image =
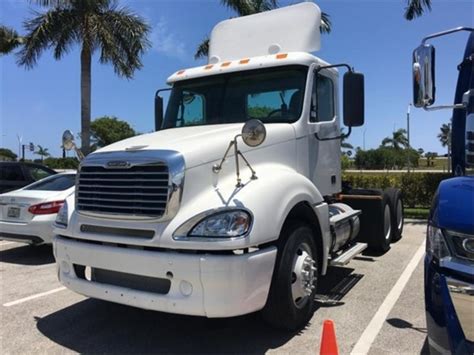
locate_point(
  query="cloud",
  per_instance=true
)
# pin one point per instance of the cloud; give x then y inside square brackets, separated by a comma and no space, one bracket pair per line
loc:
[167,42]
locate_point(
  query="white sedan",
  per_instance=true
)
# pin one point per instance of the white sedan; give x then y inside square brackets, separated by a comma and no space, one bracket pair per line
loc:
[27,214]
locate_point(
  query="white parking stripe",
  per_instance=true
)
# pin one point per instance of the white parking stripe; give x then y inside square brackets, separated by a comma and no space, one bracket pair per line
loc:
[370,333]
[32,297]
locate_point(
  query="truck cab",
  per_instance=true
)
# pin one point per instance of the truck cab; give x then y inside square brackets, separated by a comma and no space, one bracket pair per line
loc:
[235,204]
[449,260]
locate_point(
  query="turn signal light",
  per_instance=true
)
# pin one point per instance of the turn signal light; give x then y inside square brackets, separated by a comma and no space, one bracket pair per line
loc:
[46,208]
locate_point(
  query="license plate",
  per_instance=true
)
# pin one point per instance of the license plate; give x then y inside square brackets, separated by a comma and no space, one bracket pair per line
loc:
[13,212]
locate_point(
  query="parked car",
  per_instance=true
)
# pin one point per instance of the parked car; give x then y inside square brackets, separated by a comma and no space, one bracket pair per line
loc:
[27,214]
[14,175]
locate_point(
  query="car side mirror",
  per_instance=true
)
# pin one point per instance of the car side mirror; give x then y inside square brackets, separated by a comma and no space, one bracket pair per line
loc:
[424,75]
[353,88]
[158,111]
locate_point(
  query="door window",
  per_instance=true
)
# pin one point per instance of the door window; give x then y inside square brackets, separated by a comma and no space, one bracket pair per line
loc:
[323,96]
[11,173]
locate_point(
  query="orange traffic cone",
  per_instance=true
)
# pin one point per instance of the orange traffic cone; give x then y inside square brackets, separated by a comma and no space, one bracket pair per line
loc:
[328,339]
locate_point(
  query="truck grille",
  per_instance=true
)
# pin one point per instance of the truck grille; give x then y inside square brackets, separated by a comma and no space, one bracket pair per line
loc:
[141,190]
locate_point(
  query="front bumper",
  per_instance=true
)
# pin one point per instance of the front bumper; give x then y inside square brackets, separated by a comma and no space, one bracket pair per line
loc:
[449,303]
[201,284]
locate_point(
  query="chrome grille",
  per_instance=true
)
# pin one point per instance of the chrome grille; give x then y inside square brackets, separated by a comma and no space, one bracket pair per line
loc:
[141,190]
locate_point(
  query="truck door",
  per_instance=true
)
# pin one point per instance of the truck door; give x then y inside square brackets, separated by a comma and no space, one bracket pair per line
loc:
[324,155]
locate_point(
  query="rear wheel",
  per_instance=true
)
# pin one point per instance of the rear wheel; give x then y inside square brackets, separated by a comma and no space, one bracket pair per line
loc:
[396,206]
[382,220]
[290,301]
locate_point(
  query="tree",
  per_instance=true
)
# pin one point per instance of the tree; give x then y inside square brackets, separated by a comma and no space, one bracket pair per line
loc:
[119,35]
[430,156]
[42,152]
[249,7]
[421,151]
[7,154]
[9,39]
[416,8]
[445,138]
[398,139]
[107,130]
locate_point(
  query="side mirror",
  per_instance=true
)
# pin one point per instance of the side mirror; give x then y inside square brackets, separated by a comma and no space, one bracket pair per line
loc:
[253,133]
[424,75]
[158,112]
[68,140]
[353,99]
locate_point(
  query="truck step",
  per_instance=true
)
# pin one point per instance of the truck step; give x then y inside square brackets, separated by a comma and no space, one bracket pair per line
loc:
[348,255]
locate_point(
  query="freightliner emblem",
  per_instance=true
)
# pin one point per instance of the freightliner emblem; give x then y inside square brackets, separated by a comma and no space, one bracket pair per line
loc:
[118,164]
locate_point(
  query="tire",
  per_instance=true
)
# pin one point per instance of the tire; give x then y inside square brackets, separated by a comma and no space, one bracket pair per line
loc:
[290,303]
[396,207]
[382,219]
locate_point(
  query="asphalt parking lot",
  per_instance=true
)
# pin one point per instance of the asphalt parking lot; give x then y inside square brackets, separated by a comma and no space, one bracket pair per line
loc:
[376,302]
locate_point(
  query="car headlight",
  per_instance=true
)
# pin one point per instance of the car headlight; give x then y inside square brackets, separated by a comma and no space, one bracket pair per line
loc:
[61,217]
[436,243]
[462,244]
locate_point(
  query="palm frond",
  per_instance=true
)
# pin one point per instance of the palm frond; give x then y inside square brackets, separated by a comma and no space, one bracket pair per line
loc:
[326,24]
[203,49]
[122,38]
[249,7]
[9,39]
[416,8]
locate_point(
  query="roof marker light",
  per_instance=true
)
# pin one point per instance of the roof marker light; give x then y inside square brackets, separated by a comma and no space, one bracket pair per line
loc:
[180,72]
[225,64]
[207,67]
[244,61]
[281,56]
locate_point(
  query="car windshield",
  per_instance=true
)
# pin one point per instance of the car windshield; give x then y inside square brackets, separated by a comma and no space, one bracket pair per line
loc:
[54,183]
[272,95]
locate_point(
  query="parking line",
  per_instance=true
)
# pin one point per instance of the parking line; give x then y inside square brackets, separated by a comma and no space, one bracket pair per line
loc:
[370,333]
[32,297]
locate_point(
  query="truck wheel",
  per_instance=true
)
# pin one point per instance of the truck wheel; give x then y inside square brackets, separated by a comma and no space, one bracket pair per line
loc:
[396,206]
[382,219]
[290,303]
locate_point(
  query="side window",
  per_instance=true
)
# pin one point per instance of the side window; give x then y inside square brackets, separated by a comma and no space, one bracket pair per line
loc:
[323,98]
[191,110]
[38,173]
[11,173]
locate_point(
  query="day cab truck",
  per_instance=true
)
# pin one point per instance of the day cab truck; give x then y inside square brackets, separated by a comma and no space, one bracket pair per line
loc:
[235,204]
[449,260]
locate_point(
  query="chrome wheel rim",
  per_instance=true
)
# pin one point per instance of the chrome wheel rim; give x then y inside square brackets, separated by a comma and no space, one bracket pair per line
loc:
[387,226]
[399,215]
[303,275]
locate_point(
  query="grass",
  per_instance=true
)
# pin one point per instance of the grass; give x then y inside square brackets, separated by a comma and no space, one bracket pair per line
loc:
[416,213]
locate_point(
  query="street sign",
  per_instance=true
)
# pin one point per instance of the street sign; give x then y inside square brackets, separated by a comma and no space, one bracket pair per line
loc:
[32,147]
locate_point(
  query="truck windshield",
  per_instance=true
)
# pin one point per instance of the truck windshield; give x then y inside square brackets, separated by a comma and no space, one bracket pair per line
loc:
[272,95]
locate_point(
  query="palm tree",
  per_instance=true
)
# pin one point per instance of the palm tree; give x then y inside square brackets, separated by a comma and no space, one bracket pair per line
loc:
[9,39]
[398,139]
[249,7]
[119,35]
[445,138]
[43,152]
[416,8]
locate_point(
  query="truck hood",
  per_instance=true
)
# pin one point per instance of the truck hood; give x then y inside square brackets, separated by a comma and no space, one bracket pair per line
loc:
[200,144]
[453,207]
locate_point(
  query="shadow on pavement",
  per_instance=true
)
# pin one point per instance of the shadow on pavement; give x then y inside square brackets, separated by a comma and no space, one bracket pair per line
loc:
[28,255]
[335,285]
[403,324]
[94,326]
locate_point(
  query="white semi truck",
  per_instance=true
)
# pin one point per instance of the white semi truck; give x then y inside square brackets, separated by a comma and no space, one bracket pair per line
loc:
[235,204]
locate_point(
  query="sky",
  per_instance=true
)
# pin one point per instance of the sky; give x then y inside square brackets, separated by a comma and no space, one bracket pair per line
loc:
[371,35]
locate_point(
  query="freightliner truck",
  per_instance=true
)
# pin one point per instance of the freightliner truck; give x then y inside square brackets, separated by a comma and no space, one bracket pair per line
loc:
[235,204]
[449,260]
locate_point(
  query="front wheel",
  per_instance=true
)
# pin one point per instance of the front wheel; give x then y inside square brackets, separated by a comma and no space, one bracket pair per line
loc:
[290,303]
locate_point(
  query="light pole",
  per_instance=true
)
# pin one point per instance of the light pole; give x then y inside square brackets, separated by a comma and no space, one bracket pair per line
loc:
[20,139]
[408,136]
[364,138]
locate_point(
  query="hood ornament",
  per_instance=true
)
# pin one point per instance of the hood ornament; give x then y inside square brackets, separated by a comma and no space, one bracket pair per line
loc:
[253,134]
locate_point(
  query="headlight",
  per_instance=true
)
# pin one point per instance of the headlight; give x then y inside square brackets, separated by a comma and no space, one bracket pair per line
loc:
[436,244]
[61,217]
[223,225]
[462,244]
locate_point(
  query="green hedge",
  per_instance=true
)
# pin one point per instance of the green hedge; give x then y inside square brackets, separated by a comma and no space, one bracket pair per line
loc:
[418,188]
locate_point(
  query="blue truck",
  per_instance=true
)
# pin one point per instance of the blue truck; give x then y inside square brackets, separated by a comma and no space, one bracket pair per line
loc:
[449,259]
